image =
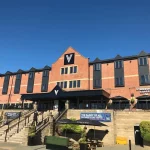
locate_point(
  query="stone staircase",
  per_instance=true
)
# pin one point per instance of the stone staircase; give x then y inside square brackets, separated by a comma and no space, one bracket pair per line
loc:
[16,132]
[19,137]
[15,126]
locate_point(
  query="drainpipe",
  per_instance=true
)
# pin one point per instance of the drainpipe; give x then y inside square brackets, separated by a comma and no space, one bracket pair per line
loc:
[9,96]
[88,74]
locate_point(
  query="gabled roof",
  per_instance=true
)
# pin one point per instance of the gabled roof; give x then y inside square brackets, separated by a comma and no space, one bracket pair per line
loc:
[20,71]
[142,53]
[8,73]
[96,60]
[118,57]
[32,69]
[47,67]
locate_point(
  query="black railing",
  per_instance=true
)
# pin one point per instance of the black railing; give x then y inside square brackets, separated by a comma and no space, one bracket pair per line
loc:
[25,119]
[16,119]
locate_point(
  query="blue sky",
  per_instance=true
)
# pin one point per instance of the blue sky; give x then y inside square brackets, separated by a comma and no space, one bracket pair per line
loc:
[34,33]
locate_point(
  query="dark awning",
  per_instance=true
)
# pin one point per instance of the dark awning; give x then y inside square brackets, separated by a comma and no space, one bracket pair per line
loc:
[143,97]
[58,93]
[119,98]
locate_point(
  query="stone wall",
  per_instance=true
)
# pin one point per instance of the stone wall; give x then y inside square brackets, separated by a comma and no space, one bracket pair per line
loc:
[125,122]
[122,123]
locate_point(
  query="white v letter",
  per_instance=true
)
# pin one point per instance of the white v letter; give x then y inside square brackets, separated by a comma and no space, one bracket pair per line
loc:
[69,57]
[56,92]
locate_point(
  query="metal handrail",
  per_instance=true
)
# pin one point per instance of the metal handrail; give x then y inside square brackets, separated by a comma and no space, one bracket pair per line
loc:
[17,123]
[8,123]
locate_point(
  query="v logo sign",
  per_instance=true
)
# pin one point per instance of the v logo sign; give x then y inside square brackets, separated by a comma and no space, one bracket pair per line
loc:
[56,92]
[69,57]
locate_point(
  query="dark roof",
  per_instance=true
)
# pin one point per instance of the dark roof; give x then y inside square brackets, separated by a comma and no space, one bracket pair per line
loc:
[142,53]
[96,60]
[47,67]
[20,71]
[8,73]
[142,97]
[27,71]
[118,98]
[58,93]
[118,57]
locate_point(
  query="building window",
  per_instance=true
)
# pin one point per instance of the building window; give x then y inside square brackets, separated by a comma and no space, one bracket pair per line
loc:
[65,84]
[70,84]
[58,83]
[78,83]
[74,84]
[61,84]
[143,61]
[66,70]
[45,73]
[75,69]
[43,87]
[31,75]
[97,83]
[71,70]
[145,79]
[119,81]
[62,71]
[119,64]
[18,76]
[97,66]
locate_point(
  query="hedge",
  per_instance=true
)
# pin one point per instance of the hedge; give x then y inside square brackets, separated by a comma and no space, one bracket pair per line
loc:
[145,130]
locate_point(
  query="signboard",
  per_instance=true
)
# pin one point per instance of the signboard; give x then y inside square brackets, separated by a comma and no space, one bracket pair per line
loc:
[12,115]
[143,90]
[102,117]
[69,59]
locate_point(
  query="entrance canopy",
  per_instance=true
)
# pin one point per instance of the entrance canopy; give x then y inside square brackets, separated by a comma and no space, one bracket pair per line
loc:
[57,94]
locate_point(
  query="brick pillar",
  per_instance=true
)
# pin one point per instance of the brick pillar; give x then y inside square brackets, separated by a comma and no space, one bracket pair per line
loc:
[67,104]
[51,120]
[26,131]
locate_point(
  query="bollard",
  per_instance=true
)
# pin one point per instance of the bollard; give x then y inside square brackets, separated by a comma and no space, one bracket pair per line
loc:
[129,144]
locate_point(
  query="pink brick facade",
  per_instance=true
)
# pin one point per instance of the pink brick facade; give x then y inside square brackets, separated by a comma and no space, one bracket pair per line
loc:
[84,74]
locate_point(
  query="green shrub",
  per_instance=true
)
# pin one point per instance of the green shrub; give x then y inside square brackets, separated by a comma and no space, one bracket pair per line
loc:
[145,130]
[72,128]
[147,137]
[32,131]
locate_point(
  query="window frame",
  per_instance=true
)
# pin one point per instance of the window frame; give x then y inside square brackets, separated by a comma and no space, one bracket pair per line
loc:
[45,73]
[119,82]
[65,84]
[30,75]
[62,71]
[97,85]
[70,84]
[142,61]
[78,83]
[118,64]
[66,70]
[146,77]
[97,66]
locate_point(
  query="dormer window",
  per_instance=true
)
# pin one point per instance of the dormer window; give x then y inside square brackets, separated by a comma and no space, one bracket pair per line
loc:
[45,73]
[18,76]
[97,66]
[145,79]
[31,75]
[143,61]
[119,64]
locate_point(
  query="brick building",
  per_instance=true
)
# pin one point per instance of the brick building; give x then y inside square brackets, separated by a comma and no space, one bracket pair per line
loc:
[117,79]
